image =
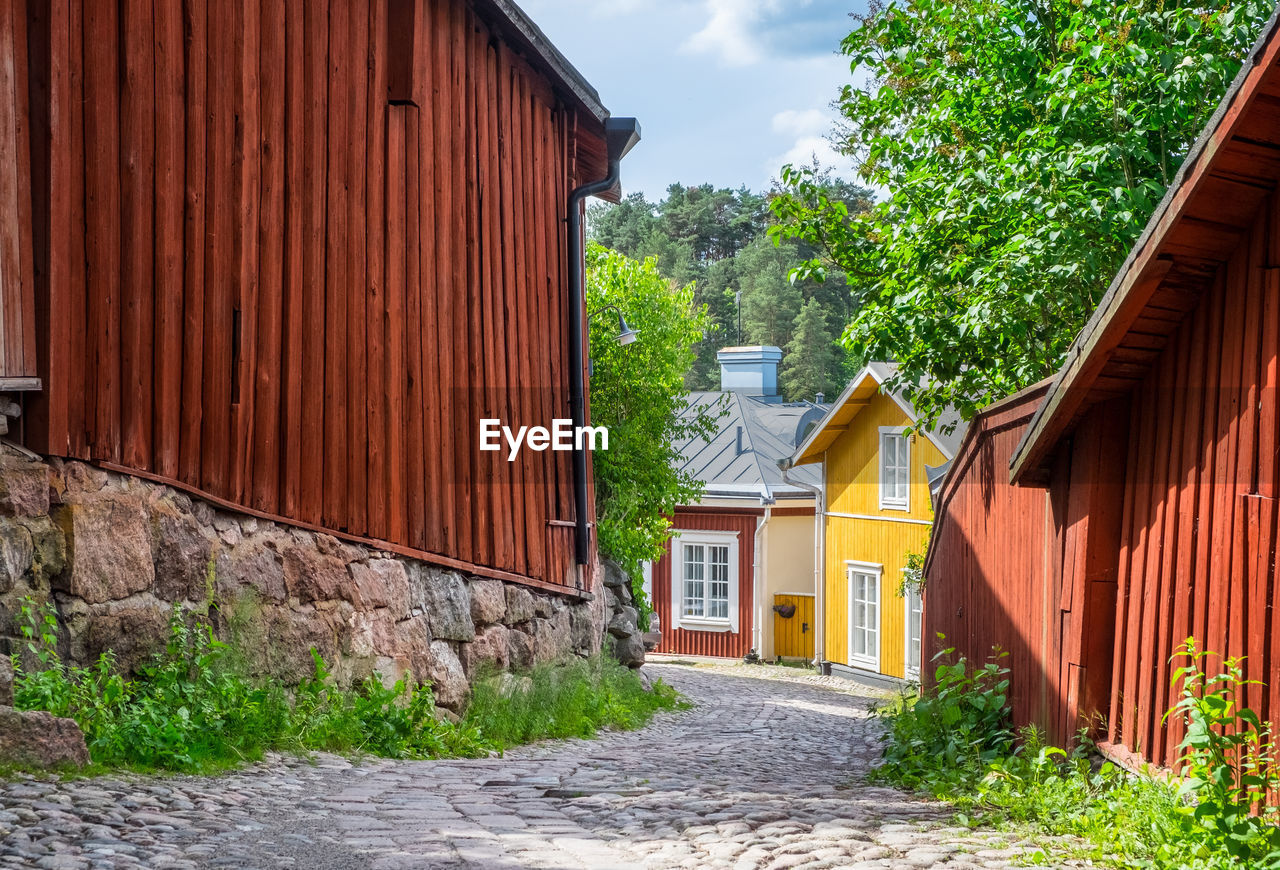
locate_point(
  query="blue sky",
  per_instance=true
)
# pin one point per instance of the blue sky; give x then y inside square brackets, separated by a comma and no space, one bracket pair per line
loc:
[726,91]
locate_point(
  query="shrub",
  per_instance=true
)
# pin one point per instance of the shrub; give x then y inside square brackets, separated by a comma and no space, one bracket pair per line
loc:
[192,709]
[954,729]
[954,742]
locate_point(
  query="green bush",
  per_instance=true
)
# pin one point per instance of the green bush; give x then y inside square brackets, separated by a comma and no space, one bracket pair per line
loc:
[192,709]
[957,727]
[954,742]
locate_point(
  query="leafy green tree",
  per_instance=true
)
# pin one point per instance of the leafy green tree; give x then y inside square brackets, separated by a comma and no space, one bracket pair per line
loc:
[812,356]
[637,391]
[1024,144]
[770,299]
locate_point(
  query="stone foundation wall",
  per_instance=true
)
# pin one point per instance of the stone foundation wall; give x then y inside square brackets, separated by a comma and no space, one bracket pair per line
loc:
[115,554]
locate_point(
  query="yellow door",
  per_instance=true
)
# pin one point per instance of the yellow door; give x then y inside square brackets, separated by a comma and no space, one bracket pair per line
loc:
[793,626]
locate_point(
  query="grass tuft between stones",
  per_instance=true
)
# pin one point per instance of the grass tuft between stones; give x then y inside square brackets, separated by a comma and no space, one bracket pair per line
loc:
[193,709]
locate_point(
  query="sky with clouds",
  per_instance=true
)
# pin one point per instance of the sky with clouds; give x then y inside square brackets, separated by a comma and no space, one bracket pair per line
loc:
[726,91]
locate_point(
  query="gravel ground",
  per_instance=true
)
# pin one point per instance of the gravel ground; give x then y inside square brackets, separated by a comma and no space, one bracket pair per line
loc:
[765,771]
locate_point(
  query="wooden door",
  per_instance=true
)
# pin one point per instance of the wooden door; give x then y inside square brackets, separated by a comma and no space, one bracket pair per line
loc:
[793,634]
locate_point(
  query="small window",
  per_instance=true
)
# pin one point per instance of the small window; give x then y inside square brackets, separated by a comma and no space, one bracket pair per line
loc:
[895,469]
[704,580]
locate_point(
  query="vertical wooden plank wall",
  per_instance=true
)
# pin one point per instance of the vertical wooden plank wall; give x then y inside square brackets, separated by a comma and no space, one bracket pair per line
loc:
[281,275]
[991,575]
[1198,550]
[723,644]
[17,265]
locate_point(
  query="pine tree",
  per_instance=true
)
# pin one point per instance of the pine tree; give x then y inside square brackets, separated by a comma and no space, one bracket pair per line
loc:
[811,357]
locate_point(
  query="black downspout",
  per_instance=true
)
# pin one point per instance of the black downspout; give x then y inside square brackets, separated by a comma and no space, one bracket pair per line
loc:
[620,134]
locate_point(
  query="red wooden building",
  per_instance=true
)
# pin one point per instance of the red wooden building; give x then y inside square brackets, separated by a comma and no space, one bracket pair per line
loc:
[285,254]
[1153,456]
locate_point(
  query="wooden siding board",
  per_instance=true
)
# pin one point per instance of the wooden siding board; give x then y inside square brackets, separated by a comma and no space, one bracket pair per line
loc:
[304,329]
[170,150]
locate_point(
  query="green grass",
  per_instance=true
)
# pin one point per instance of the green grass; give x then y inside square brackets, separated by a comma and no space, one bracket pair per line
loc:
[573,699]
[955,743]
[193,709]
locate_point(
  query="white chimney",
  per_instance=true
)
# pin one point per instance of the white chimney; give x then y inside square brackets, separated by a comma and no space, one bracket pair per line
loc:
[750,370]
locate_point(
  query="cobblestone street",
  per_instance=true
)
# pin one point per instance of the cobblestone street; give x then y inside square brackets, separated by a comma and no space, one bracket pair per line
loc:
[762,772]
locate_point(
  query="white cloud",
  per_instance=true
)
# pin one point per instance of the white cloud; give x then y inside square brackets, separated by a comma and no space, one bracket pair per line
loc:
[730,31]
[807,129]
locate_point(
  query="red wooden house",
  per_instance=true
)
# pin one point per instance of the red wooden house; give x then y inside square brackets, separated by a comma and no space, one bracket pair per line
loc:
[1151,459]
[285,254]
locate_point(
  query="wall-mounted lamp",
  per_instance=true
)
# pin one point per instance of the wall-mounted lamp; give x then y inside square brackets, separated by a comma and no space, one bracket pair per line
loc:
[626,334]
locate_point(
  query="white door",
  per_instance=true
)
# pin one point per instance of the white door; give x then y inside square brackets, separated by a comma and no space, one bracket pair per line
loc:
[915,615]
[864,616]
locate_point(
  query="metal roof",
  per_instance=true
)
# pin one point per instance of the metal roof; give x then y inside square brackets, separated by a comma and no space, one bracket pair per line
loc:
[751,437]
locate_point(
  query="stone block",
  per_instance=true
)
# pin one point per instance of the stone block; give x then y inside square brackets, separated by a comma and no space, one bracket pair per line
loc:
[413,643]
[584,630]
[448,680]
[310,575]
[48,550]
[24,486]
[628,650]
[519,605]
[488,602]
[38,739]
[6,682]
[108,548]
[544,606]
[381,583]
[552,638]
[134,632]
[624,622]
[614,576]
[488,651]
[255,564]
[181,556]
[447,603]
[519,650]
[17,551]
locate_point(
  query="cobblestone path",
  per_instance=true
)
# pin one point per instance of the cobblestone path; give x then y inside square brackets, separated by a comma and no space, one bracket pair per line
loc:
[761,773]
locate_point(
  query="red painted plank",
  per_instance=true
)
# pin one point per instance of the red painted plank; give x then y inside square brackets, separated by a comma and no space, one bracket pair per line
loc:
[266,385]
[195,242]
[319,251]
[293,374]
[338,269]
[394,367]
[170,150]
[357,153]
[376,338]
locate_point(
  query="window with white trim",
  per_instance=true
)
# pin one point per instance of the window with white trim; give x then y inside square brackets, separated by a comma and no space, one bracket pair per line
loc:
[895,468]
[915,616]
[864,614]
[704,580]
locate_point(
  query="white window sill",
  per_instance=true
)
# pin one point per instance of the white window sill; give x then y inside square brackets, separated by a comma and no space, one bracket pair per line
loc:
[692,623]
[865,665]
[884,506]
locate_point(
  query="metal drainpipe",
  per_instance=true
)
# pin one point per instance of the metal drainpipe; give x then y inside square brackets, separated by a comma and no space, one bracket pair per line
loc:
[819,559]
[756,592]
[621,134]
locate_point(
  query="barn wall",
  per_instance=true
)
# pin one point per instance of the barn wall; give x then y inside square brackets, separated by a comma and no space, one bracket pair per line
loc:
[294,252]
[723,644]
[1198,548]
[17,266]
[990,578]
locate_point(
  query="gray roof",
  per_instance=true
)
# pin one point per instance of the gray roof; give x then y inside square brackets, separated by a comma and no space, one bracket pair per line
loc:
[741,457]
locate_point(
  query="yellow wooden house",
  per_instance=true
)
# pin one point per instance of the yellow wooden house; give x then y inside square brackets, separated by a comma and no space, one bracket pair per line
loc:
[876,511]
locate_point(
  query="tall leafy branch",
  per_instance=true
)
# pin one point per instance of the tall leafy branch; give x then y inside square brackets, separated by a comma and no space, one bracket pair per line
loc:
[1022,146]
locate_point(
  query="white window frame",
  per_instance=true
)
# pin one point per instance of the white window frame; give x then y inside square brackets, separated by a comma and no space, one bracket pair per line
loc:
[912,596]
[876,572]
[711,539]
[893,503]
